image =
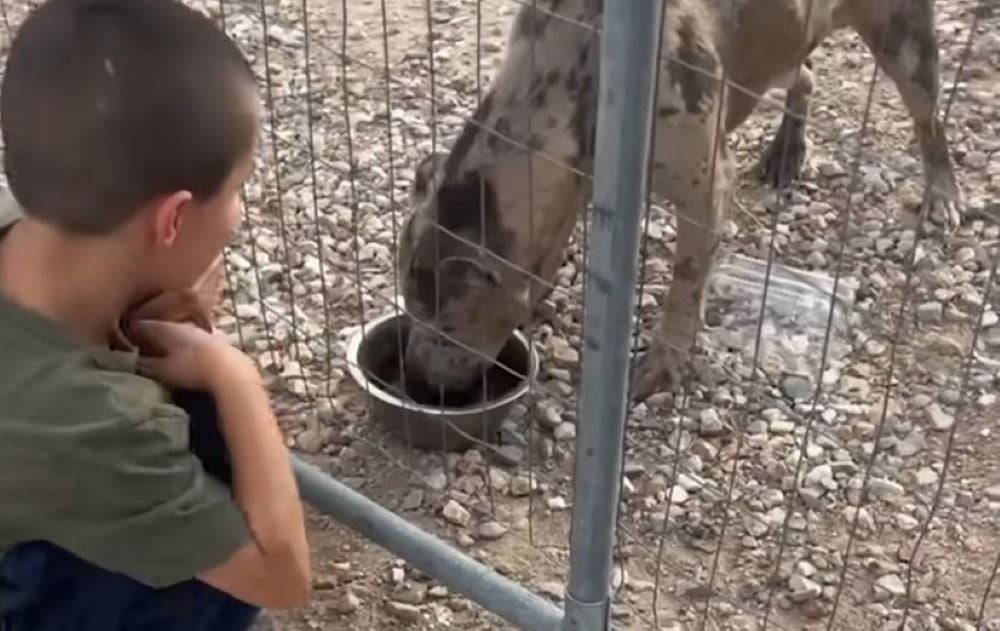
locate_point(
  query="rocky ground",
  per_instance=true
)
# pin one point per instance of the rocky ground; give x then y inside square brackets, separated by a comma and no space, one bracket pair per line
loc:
[743,501]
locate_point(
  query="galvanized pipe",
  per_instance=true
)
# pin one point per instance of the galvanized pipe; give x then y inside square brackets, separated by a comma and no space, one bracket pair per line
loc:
[629,48]
[430,555]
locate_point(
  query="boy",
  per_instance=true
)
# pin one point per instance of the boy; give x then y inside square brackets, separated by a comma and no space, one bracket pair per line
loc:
[129,127]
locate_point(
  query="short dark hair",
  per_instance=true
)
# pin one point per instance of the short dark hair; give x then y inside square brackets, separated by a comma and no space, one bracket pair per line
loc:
[107,103]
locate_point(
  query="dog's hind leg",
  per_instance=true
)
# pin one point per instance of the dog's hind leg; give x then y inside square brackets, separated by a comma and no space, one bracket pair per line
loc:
[782,161]
[905,46]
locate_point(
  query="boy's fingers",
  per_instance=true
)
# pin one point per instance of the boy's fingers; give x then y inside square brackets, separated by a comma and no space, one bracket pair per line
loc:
[209,286]
[151,334]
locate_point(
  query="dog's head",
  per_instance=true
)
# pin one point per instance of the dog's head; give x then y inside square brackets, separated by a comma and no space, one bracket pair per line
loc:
[455,278]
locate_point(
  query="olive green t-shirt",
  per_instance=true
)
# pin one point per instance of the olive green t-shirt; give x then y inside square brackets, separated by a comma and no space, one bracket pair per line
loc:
[95,458]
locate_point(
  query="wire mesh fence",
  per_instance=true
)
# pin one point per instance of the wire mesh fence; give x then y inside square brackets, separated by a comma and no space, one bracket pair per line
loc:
[822,457]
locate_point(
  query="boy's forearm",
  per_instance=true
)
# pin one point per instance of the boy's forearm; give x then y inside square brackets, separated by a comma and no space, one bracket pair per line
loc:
[263,482]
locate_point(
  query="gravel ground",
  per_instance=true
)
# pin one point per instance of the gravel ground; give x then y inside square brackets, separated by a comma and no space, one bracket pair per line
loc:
[738,496]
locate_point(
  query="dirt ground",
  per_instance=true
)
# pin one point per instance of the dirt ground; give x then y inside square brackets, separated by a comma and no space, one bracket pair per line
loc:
[535,549]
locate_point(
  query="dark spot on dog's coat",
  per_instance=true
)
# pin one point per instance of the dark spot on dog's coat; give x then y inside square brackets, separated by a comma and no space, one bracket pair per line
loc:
[685,269]
[571,80]
[582,125]
[913,23]
[536,84]
[530,22]
[895,33]
[468,136]
[501,127]
[691,72]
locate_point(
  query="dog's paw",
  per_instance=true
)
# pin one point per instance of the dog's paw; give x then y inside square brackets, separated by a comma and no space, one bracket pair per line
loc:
[659,369]
[781,163]
[947,207]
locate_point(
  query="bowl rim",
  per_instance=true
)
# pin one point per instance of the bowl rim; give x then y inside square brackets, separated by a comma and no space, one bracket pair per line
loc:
[372,389]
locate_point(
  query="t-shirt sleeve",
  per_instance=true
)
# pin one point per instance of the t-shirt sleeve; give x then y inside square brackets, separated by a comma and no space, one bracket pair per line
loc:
[145,506]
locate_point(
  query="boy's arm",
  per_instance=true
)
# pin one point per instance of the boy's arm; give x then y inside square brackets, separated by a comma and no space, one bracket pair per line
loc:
[273,569]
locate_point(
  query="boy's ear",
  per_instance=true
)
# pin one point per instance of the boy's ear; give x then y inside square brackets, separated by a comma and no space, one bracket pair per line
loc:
[168,216]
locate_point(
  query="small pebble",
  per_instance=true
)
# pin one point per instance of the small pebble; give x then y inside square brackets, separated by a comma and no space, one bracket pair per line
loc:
[940,420]
[456,514]
[491,530]
[404,611]
[564,432]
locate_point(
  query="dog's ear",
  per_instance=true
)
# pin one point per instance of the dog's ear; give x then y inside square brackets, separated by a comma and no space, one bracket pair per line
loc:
[425,173]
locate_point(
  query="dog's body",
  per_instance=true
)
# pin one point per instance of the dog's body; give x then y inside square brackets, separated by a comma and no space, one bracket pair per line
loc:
[481,192]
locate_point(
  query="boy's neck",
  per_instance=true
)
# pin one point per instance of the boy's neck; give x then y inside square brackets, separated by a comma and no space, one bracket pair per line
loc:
[84,284]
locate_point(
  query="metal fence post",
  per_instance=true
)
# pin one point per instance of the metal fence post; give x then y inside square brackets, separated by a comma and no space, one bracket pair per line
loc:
[629,48]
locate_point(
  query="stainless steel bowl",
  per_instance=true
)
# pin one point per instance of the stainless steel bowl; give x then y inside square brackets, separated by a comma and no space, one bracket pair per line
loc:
[374,358]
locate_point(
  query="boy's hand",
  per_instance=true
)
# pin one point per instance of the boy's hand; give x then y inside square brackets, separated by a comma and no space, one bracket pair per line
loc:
[182,355]
[194,305]
[209,287]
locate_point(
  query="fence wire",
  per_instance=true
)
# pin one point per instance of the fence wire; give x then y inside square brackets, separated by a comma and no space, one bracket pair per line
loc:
[857,492]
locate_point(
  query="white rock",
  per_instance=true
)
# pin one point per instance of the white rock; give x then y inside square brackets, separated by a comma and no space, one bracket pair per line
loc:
[926,477]
[819,475]
[556,503]
[456,514]
[564,432]
[803,589]
[940,420]
[711,424]
[491,530]
[678,494]
[892,584]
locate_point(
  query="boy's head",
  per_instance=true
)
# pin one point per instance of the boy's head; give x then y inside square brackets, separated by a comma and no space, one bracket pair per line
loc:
[134,120]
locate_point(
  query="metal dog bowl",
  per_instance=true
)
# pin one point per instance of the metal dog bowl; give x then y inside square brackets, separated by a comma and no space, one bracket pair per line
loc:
[374,358]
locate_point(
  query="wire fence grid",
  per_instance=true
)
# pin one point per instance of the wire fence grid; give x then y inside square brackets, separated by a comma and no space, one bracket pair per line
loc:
[827,460]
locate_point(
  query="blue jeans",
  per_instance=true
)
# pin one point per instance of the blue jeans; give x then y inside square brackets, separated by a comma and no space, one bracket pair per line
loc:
[45,588]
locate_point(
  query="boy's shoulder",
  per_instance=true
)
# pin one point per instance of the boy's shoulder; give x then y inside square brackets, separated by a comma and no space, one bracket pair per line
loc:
[55,389]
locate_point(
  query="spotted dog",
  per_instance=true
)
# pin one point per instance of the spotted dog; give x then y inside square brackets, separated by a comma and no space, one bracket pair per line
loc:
[482,191]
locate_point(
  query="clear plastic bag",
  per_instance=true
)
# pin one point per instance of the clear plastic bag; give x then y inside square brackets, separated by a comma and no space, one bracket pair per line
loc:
[795,317]
[987,350]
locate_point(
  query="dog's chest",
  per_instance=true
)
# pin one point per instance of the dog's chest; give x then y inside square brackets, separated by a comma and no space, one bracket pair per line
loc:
[760,40]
